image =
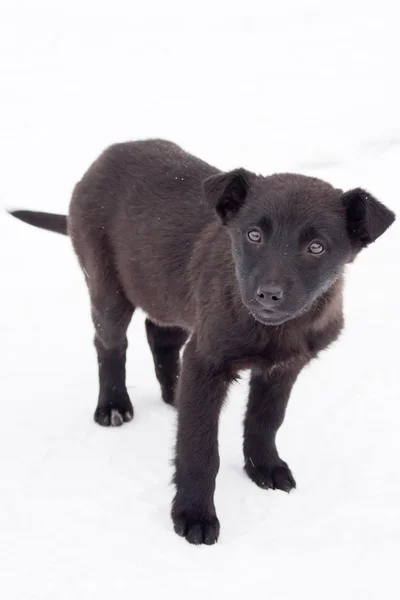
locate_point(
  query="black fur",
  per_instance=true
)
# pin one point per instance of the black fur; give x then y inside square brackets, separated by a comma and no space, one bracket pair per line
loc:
[249,266]
[49,221]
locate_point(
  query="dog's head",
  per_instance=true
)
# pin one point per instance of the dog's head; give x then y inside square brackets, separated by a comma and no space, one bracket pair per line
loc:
[291,236]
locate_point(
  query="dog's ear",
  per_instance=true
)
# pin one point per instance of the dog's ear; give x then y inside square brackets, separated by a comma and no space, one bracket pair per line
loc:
[367,218]
[226,192]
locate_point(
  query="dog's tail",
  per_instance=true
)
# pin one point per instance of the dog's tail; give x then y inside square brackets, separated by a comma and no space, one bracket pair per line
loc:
[49,221]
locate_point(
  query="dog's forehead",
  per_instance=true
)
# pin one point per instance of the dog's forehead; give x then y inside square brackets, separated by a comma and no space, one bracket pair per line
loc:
[293,197]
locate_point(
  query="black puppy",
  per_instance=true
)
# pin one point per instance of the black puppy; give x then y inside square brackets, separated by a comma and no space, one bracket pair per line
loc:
[249,266]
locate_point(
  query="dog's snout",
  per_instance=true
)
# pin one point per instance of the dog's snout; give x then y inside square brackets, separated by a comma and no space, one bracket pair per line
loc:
[270,295]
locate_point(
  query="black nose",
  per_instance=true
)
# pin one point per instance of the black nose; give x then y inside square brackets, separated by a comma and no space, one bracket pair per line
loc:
[270,295]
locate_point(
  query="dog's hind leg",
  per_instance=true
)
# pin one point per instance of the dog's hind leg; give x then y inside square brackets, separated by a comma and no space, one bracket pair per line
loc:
[165,344]
[111,314]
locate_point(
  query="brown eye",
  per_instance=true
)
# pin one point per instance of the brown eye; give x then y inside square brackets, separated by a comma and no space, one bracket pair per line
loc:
[316,248]
[254,235]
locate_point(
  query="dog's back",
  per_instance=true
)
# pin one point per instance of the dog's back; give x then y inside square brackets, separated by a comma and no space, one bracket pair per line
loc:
[140,208]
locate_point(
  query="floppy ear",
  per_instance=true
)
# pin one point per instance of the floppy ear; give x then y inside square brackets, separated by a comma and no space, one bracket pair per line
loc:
[226,192]
[367,218]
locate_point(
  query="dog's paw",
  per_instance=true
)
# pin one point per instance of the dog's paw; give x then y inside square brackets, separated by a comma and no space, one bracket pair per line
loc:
[196,529]
[115,412]
[275,477]
[169,398]
[114,417]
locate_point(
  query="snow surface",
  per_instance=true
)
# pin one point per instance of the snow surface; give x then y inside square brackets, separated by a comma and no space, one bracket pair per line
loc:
[84,511]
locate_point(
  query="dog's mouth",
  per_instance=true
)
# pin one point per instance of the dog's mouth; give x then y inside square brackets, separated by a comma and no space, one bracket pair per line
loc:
[270,317]
[273,317]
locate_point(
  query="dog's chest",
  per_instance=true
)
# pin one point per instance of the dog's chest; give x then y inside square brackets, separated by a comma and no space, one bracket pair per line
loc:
[272,356]
[282,353]
[284,350]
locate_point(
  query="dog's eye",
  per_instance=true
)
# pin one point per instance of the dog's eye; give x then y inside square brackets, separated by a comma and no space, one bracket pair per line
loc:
[316,248]
[254,235]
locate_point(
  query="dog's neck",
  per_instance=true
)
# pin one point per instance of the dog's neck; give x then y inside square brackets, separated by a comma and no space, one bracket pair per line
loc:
[328,308]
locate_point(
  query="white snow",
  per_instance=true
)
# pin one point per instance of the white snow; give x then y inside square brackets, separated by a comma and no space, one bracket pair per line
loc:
[84,511]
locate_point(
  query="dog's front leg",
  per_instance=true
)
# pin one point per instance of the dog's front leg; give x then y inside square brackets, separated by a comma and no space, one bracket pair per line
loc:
[268,398]
[201,392]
